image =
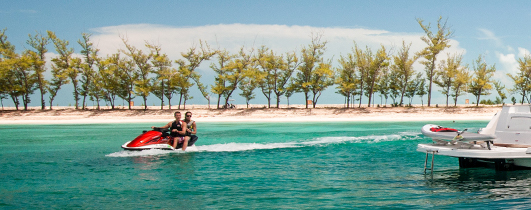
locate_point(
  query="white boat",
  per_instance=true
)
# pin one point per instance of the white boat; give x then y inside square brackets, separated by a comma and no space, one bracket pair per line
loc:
[505,142]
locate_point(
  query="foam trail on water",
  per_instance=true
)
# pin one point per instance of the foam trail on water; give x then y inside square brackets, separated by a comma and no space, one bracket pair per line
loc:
[234,147]
[364,139]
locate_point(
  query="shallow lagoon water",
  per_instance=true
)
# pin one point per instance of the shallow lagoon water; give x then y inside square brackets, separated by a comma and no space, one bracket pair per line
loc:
[246,166]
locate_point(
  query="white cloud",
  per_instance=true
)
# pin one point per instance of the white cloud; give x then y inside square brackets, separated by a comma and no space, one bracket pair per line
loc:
[279,38]
[508,63]
[522,52]
[489,35]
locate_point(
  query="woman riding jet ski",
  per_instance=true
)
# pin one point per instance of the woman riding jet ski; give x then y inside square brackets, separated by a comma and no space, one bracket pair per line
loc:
[160,139]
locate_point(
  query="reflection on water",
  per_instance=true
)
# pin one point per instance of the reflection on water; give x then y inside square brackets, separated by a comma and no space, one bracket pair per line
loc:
[152,167]
[485,183]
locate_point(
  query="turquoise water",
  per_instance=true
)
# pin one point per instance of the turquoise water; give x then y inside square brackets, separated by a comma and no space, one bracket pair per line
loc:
[245,166]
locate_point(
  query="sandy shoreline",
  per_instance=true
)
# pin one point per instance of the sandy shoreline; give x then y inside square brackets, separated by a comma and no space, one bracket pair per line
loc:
[64,115]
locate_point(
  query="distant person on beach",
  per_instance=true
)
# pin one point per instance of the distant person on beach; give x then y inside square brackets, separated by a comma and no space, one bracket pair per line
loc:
[191,129]
[178,131]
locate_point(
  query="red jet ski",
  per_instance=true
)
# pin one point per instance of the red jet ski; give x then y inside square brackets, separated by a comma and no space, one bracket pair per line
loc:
[155,139]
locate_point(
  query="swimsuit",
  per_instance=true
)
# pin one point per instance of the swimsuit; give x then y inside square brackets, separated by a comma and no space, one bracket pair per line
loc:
[189,125]
[176,135]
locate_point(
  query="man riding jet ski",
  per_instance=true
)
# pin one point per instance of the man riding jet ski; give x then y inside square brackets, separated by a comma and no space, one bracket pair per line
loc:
[179,136]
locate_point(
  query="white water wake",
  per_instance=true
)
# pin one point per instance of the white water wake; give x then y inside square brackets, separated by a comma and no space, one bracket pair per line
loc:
[235,147]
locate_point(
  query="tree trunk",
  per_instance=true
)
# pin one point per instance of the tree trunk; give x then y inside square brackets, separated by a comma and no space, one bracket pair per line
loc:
[219,99]
[180,100]
[431,80]
[278,101]
[479,95]
[43,103]
[145,102]
[361,92]
[306,97]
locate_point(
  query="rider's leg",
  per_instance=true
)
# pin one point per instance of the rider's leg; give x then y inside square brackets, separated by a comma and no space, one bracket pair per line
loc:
[185,143]
[175,141]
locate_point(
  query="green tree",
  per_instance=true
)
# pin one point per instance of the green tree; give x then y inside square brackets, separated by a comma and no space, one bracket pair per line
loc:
[3,95]
[7,74]
[268,65]
[313,74]
[18,73]
[71,66]
[39,42]
[109,80]
[162,69]
[413,87]
[422,90]
[251,81]
[291,62]
[436,42]
[61,67]
[393,84]
[363,66]
[346,79]
[384,86]
[24,74]
[403,66]
[141,60]
[446,75]
[276,71]
[522,79]
[220,81]
[187,67]
[237,69]
[499,88]
[174,79]
[481,82]
[73,73]
[184,84]
[459,84]
[59,78]
[88,74]
[290,90]
[96,91]
[322,79]
[377,64]
[124,69]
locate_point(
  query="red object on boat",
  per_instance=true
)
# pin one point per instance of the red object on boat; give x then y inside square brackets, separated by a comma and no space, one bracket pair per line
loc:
[441,129]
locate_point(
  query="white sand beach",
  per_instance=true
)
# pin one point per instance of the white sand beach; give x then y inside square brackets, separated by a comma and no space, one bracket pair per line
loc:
[257,113]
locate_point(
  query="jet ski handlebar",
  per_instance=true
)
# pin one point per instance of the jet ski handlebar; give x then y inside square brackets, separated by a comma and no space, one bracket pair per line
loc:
[161,129]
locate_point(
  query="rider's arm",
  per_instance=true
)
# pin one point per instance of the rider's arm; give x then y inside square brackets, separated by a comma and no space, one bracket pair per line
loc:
[166,126]
[194,128]
[183,126]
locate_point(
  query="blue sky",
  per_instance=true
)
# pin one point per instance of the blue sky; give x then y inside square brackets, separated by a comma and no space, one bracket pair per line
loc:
[498,30]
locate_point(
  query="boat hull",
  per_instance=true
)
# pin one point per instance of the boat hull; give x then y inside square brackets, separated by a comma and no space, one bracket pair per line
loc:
[505,141]
[520,157]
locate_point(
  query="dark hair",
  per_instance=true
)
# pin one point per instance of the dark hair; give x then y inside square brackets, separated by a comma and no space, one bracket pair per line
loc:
[176,113]
[187,113]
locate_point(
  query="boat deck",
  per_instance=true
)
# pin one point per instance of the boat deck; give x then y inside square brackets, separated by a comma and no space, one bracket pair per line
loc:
[475,151]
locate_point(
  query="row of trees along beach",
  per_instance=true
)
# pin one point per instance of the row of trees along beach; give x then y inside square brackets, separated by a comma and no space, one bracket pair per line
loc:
[361,74]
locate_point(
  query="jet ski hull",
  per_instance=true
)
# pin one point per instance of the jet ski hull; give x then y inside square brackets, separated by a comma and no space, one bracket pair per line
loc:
[155,139]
